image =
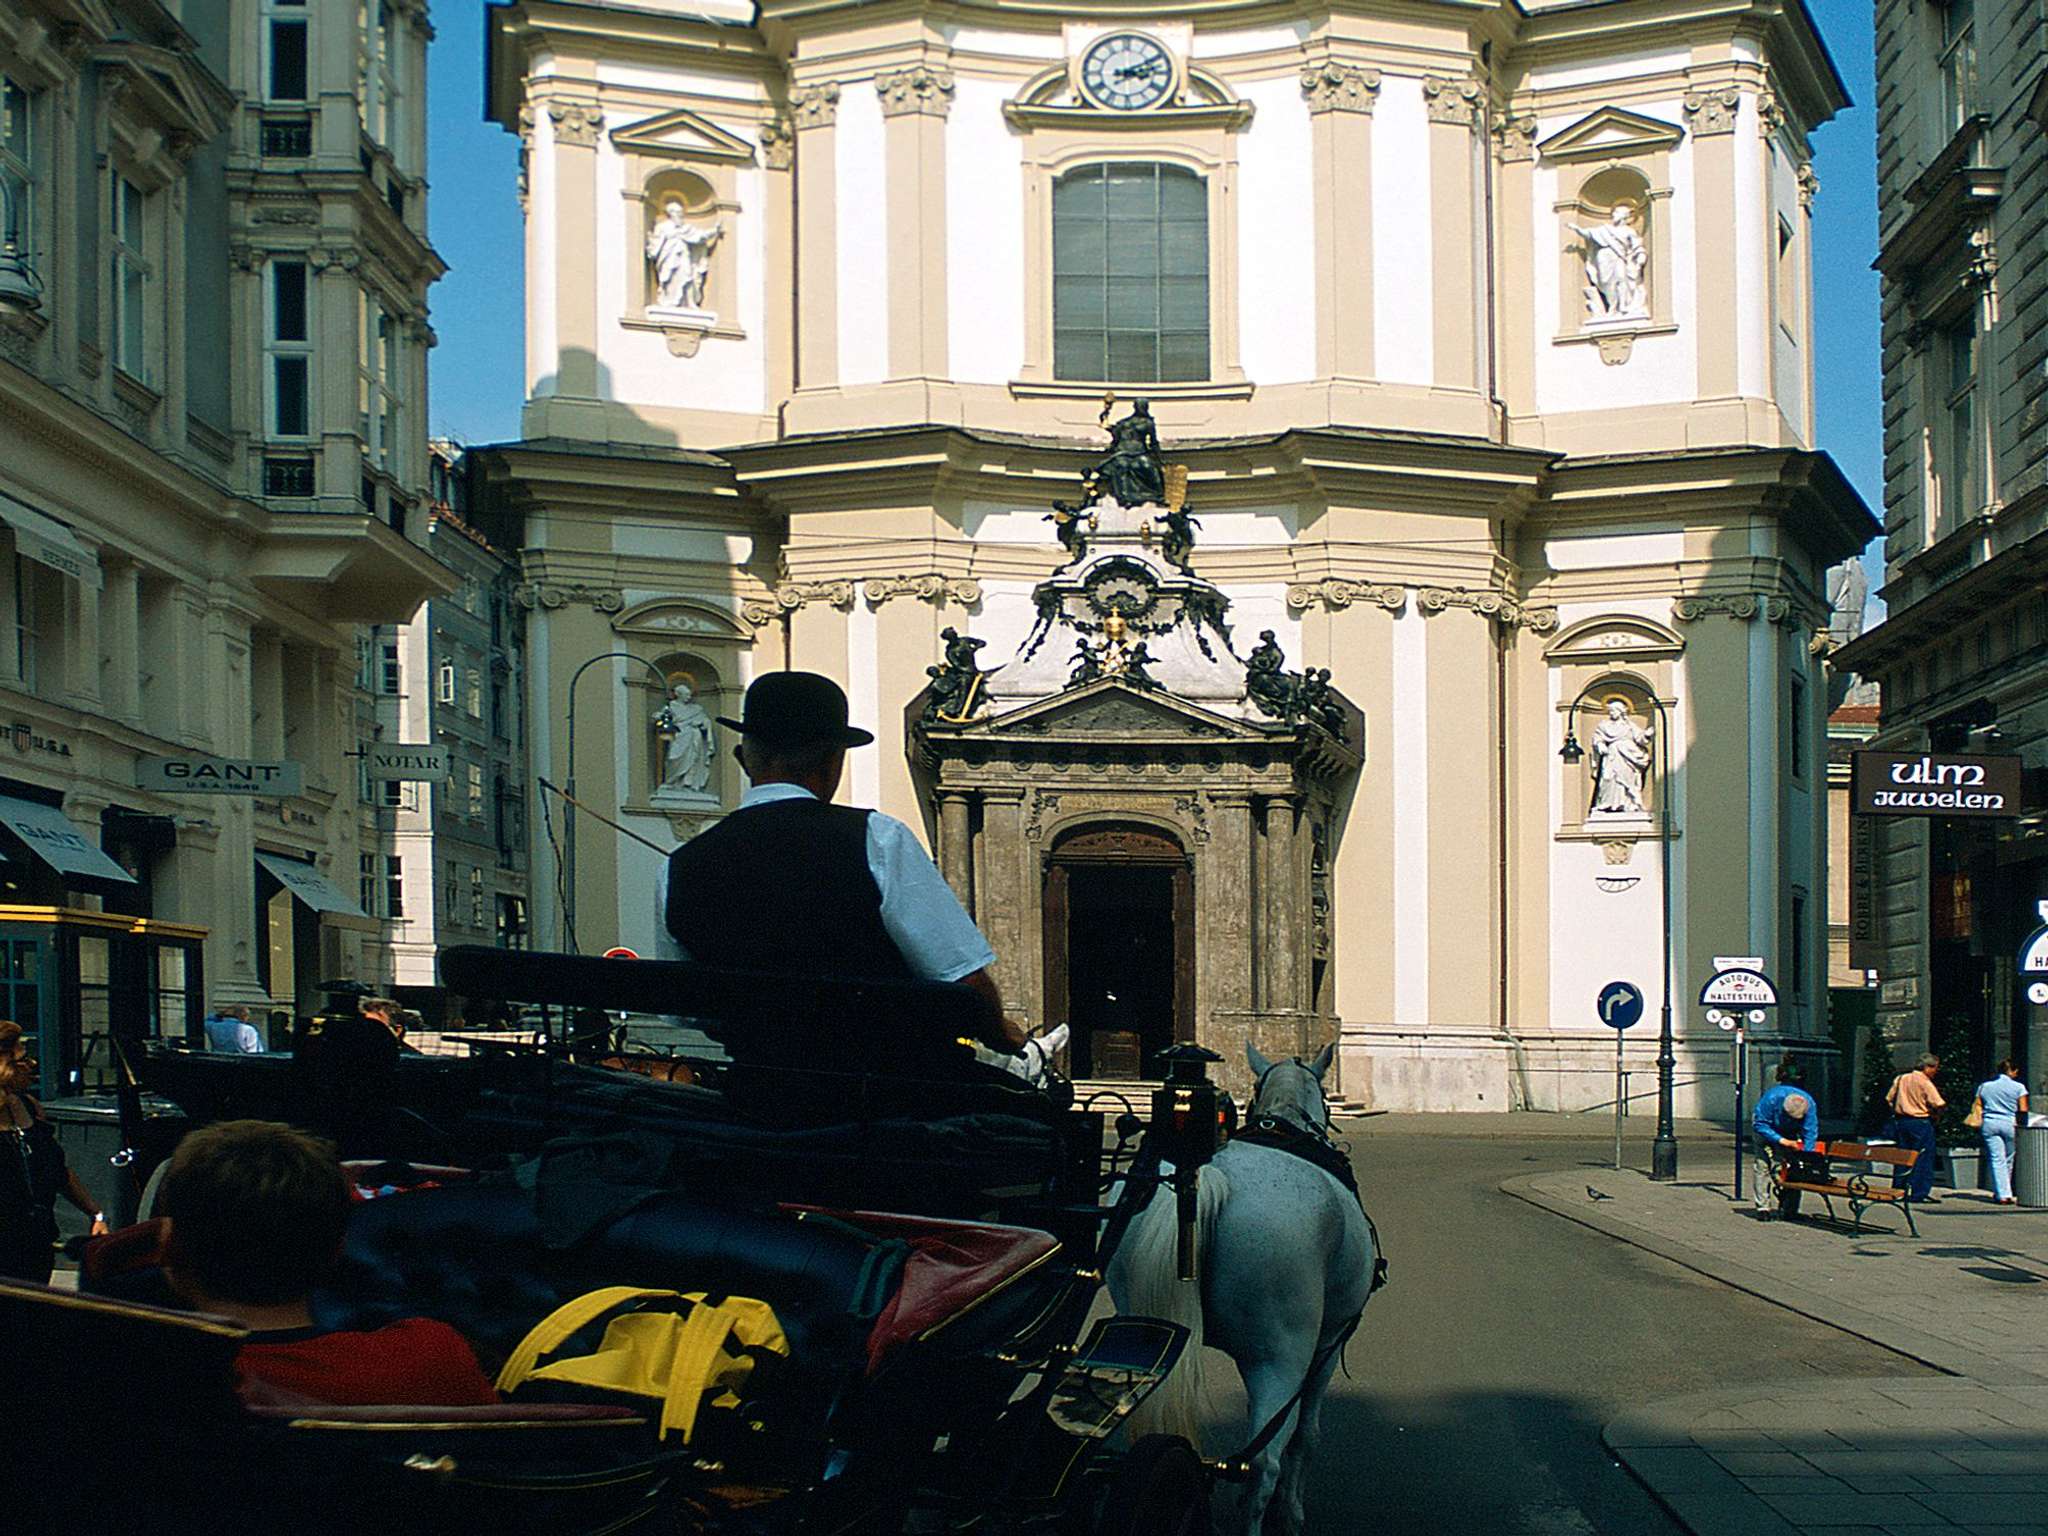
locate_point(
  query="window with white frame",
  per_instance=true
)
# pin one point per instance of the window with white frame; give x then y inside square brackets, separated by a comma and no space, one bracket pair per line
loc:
[287,50]
[17,168]
[290,347]
[444,683]
[1958,482]
[476,898]
[391,675]
[366,882]
[377,70]
[394,885]
[377,369]
[1130,262]
[130,263]
[1958,64]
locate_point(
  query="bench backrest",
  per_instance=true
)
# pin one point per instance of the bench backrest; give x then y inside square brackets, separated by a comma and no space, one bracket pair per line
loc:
[1862,1152]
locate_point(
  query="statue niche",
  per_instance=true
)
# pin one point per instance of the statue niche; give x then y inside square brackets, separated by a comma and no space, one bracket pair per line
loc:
[1610,225]
[684,231]
[686,744]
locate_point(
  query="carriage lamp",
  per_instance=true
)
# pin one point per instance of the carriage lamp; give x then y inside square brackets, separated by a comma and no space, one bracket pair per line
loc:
[1187,1109]
[1571,751]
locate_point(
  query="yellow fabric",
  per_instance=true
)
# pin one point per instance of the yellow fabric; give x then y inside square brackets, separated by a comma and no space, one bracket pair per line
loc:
[677,1358]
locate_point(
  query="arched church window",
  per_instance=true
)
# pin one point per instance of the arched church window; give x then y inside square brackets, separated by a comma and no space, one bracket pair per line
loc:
[1131,274]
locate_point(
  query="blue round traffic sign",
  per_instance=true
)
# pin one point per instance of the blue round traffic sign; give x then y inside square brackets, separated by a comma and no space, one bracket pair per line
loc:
[1621,1004]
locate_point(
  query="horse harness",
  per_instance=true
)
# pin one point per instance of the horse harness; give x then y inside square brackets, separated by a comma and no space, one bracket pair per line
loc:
[1312,1144]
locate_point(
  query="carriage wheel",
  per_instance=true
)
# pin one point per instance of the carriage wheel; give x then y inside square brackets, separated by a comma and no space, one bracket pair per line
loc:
[1161,1489]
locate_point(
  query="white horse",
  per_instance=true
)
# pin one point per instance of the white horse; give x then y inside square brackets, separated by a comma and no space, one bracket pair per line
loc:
[1286,1260]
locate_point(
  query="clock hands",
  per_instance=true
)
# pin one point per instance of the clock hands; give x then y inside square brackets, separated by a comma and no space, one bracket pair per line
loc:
[1139,71]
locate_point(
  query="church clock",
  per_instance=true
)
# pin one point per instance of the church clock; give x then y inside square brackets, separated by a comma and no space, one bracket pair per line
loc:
[1127,72]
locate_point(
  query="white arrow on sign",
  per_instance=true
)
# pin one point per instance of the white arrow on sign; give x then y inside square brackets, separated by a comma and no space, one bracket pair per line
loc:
[1739,989]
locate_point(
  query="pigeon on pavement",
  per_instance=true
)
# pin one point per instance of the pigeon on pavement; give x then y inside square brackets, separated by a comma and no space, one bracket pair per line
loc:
[1594,1194]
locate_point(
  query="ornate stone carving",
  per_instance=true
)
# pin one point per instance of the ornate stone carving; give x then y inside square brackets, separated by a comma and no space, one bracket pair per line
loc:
[552,595]
[1616,350]
[1195,814]
[321,258]
[793,595]
[285,213]
[576,122]
[778,144]
[1044,802]
[1741,605]
[1514,137]
[245,258]
[1335,593]
[926,88]
[1619,850]
[931,587]
[1498,606]
[1712,111]
[1454,100]
[1809,185]
[1334,87]
[683,340]
[1770,115]
[816,106]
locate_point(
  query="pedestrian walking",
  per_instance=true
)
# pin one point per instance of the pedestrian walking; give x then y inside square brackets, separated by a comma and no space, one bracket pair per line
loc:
[2001,1100]
[33,1172]
[1915,1101]
[1786,1124]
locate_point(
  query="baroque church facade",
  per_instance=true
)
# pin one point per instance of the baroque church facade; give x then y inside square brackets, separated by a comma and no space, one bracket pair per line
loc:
[1438,643]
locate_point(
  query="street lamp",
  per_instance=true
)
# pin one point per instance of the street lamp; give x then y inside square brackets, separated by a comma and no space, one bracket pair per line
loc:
[1664,1150]
[569,790]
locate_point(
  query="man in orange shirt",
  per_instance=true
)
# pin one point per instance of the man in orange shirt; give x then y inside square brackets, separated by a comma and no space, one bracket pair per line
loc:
[1915,1101]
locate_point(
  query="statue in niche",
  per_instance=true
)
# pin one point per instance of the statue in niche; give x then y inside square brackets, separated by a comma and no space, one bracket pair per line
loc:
[681,253]
[686,759]
[1616,259]
[1133,473]
[1621,762]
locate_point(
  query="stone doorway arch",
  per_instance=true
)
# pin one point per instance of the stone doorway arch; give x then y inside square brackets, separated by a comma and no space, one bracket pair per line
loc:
[1119,936]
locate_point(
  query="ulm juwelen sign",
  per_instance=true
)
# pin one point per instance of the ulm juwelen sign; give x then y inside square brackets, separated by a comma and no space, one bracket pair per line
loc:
[1934,784]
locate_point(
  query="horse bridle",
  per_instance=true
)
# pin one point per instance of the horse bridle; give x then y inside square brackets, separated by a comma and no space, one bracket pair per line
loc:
[1320,1132]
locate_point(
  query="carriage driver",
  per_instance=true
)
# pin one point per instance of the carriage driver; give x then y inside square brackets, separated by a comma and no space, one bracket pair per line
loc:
[829,889]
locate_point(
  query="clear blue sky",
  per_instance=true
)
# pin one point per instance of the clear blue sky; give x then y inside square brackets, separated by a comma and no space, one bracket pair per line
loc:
[479,309]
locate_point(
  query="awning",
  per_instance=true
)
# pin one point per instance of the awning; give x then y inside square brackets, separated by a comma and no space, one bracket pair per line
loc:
[48,542]
[50,835]
[309,886]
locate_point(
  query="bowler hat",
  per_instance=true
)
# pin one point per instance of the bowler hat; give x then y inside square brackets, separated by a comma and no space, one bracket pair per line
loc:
[797,709]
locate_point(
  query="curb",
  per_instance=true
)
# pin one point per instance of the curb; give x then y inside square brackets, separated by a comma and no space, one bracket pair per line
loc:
[1950,1358]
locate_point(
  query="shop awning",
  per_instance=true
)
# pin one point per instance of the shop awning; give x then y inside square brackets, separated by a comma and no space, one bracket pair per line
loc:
[46,541]
[309,886]
[51,836]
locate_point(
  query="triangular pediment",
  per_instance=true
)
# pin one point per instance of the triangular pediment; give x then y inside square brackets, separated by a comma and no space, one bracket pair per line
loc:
[682,135]
[1110,710]
[1608,132]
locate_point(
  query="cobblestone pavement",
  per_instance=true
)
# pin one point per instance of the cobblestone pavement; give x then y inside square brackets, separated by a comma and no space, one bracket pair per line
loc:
[1860,1457]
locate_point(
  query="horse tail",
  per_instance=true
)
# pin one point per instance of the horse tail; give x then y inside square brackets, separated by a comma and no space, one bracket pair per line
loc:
[1149,1269]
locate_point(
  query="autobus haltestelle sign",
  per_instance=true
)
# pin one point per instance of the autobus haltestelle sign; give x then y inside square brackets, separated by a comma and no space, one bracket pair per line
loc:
[1936,784]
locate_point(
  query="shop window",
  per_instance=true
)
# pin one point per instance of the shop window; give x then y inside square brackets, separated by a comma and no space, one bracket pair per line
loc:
[21,996]
[1130,274]
[172,993]
[130,273]
[92,1069]
[511,922]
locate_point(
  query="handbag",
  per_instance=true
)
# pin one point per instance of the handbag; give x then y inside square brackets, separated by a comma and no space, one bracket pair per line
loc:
[1975,1118]
[686,1355]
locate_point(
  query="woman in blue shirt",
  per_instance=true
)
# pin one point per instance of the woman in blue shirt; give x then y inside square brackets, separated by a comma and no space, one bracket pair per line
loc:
[2003,1099]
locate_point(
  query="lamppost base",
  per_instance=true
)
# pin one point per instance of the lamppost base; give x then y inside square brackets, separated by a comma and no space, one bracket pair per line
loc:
[1664,1159]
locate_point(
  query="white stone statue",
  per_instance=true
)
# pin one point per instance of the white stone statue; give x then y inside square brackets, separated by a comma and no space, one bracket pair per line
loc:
[1621,762]
[681,253]
[1616,260]
[690,742]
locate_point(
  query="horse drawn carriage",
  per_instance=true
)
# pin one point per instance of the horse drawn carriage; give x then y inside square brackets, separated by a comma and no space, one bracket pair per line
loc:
[869,1265]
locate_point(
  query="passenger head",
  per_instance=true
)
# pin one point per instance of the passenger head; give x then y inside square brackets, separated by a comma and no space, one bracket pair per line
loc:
[1796,1105]
[17,1066]
[257,1212]
[794,730]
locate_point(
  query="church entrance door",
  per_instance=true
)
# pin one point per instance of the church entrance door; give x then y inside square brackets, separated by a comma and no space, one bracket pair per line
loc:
[1120,948]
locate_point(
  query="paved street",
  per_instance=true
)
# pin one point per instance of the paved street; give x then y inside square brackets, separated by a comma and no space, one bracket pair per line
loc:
[1507,1338]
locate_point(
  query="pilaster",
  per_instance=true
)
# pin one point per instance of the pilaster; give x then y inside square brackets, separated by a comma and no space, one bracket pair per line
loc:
[1340,102]
[1457,113]
[1283,908]
[956,855]
[1224,907]
[914,106]
[815,110]
[1710,115]
[575,125]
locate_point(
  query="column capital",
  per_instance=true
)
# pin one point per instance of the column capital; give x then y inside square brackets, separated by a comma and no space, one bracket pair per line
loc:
[1334,87]
[1712,111]
[922,88]
[778,143]
[1457,100]
[576,122]
[815,106]
[1514,137]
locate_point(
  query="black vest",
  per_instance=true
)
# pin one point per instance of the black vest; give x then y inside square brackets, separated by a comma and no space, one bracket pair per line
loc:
[783,887]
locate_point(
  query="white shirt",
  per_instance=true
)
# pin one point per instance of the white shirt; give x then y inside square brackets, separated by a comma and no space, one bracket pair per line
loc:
[936,937]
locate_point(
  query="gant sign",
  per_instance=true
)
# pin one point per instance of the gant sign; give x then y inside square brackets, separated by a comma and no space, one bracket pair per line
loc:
[217,776]
[1935,784]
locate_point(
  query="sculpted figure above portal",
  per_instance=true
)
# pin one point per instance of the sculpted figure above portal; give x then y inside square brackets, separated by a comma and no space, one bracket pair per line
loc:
[1133,473]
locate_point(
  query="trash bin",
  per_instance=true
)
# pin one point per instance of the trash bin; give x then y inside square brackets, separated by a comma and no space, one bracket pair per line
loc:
[2030,1163]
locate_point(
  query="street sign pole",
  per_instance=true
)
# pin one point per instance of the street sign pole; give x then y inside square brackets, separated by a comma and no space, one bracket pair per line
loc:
[1741,1087]
[1617,1098]
[1620,1004]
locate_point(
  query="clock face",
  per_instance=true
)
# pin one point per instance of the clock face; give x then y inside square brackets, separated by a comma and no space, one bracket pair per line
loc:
[1126,72]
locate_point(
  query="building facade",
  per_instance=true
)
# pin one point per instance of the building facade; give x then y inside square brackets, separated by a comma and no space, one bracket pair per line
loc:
[184,467]
[455,869]
[1478,348]
[1963,654]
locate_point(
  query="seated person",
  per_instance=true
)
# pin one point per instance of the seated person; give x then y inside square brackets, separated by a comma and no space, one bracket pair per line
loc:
[828,890]
[228,1030]
[256,1213]
[1786,1124]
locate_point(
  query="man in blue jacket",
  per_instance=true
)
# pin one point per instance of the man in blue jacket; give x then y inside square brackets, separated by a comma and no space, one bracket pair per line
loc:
[1786,1123]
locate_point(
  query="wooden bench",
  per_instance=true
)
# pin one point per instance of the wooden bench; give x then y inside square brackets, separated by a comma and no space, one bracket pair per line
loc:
[1853,1183]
